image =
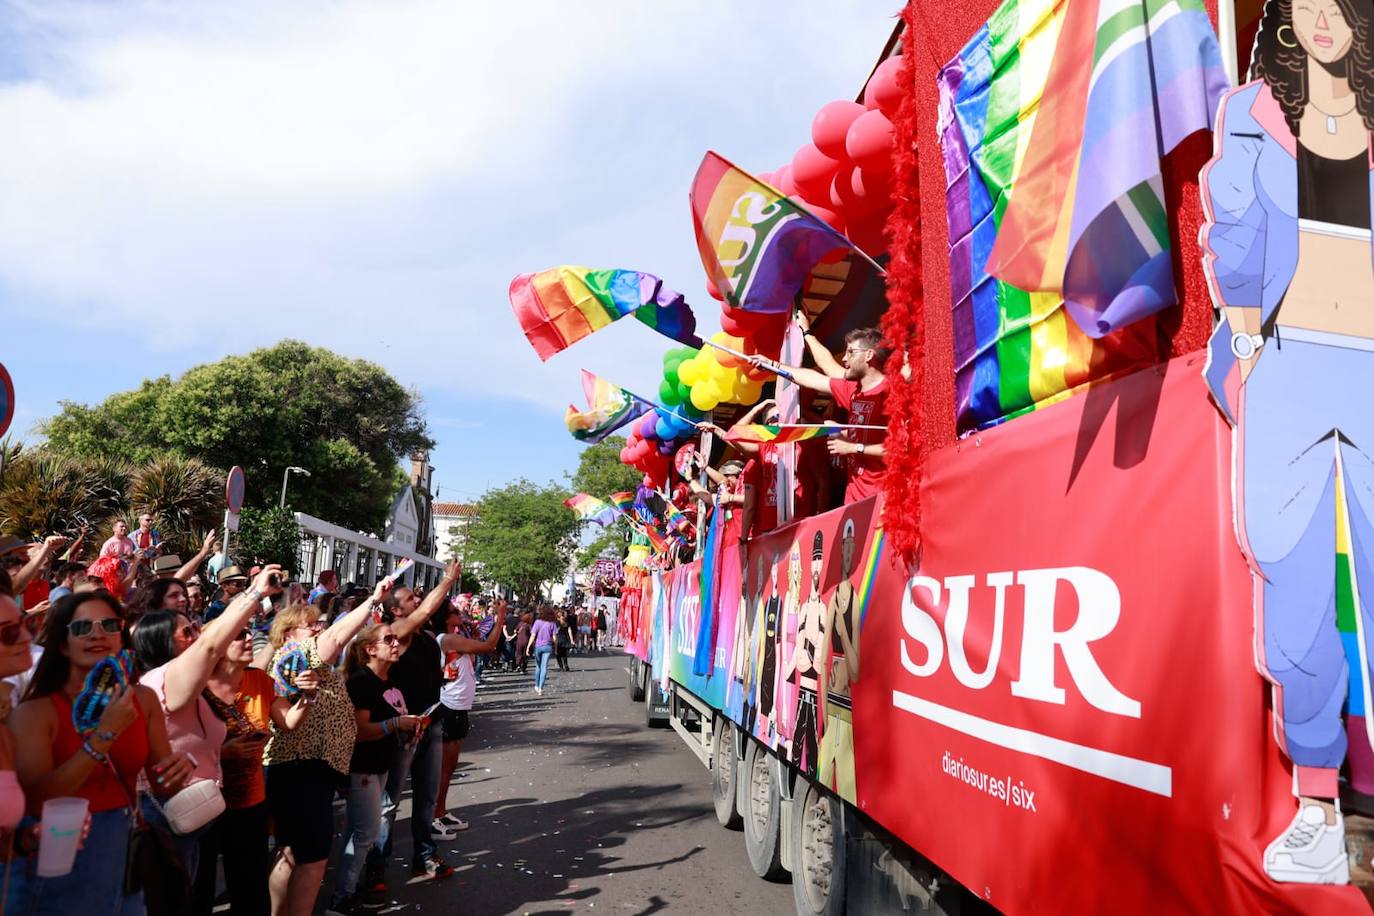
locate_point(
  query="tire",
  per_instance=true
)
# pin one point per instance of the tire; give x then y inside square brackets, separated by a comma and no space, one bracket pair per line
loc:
[636,682]
[818,853]
[723,775]
[762,813]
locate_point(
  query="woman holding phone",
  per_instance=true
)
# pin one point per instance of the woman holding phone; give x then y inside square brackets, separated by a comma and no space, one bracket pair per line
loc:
[54,760]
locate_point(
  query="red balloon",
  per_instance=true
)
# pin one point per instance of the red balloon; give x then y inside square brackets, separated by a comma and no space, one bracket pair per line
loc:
[831,124]
[858,193]
[732,327]
[867,233]
[766,177]
[869,142]
[784,182]
[884,89]
[826,214]
[713,290]
[812,171]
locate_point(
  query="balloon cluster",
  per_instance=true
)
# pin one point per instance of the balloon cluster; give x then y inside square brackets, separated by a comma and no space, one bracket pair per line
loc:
[843,174]
[715,377]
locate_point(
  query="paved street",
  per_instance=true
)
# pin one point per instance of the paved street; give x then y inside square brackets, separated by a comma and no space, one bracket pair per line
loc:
[575,805]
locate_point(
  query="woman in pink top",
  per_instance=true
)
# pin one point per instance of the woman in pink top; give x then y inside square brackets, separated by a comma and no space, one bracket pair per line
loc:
[177,662]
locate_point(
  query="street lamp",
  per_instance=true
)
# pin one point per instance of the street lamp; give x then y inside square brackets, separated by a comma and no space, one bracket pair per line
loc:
[285,476]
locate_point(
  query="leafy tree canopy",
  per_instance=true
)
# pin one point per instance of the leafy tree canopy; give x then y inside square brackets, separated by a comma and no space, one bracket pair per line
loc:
[523,537]
[345,420]
[268,535]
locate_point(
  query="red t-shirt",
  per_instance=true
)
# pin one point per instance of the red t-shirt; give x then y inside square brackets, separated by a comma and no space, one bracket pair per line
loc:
[734,514]
[865,408]
[761,473]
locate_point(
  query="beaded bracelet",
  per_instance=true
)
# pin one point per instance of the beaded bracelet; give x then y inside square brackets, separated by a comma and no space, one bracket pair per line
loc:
[93,753]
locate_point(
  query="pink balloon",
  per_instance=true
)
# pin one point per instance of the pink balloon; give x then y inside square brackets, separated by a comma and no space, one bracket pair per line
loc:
[812,171]
[884,89]
[714,290]
[766,177]
[825,213]
[867,233]
[869,142]
[831,124]
[859,193]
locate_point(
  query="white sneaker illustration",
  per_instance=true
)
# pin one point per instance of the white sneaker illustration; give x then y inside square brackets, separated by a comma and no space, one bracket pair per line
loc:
[1310,851]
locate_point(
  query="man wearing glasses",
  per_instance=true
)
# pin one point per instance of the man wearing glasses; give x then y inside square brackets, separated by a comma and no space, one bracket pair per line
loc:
[858,385]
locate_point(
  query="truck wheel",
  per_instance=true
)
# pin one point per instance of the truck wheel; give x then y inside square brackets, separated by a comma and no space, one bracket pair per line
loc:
[636,682]
[818,864]
[762,812]
[723,773]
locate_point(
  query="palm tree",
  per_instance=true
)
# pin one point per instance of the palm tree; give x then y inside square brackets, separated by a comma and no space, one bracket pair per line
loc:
[186,498]
[43,493]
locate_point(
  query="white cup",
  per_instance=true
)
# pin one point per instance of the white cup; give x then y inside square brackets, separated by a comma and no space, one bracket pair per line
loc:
[59,835]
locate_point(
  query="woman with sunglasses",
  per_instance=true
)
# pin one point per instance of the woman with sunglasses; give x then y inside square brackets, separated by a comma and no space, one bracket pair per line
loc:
[15,638]
[177,661]
[383,721]
[311,748]
[54,760]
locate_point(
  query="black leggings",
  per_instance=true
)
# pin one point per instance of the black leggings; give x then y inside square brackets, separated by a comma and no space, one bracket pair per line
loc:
[240,836]
[560,653]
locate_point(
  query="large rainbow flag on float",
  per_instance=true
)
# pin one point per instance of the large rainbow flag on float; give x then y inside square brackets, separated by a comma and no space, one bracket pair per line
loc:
[1019,121]
[558,307]
[757,246]
[609,407]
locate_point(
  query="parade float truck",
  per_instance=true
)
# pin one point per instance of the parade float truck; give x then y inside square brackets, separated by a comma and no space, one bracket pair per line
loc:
[1053,704]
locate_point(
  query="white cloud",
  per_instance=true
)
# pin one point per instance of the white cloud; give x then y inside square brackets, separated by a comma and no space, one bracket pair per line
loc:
[369,175]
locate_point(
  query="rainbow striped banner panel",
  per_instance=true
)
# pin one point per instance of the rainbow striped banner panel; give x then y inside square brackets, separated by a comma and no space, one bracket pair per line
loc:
[763,433]
[1014,350]
[609,407]
[590,509]
[1089,219]
[756,245]
[558,307]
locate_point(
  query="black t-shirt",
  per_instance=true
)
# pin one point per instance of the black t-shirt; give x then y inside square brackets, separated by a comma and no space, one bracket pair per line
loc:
[384,701]
[419,673]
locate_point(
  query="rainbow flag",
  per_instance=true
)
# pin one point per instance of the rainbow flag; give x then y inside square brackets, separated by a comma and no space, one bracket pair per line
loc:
[609,407]
[757,245]
[591,509]
[1130,80]
[558,307]
[763,433]
[1014,350]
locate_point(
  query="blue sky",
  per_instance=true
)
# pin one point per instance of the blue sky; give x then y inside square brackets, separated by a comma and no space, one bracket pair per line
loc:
[182,181]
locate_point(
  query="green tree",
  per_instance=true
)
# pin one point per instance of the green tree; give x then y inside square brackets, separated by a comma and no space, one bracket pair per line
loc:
[346,420]
[523,536]
[270,535]
[599,473]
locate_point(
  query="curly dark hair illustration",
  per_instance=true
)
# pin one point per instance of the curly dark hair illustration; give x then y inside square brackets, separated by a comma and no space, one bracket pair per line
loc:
[1284,68]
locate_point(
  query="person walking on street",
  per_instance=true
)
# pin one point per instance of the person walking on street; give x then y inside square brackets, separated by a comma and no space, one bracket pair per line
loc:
[562,643]
[541,646]
[522,641]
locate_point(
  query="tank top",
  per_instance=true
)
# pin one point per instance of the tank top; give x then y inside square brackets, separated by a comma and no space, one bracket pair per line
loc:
[1333,191]
[129,754]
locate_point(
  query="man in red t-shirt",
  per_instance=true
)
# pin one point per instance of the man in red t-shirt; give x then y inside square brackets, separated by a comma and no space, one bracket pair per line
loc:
[859,386]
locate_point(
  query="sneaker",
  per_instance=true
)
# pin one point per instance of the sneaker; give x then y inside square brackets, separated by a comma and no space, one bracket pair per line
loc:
[448,820]
[432,867]
[1310,851]
[374,880]
[539,691]
[354,906]
[442,831]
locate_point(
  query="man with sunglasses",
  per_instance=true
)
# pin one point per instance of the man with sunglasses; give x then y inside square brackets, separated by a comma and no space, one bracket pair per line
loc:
[858,385]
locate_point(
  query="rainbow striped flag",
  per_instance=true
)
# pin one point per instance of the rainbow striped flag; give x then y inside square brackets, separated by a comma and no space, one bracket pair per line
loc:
[757,245]
[591,509]
[763,433]
[1130,80]
[609,407]
[558,307]
[1014,350]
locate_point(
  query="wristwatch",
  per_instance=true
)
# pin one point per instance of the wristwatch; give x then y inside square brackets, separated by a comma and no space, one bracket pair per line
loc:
[861,448]
[1245,346]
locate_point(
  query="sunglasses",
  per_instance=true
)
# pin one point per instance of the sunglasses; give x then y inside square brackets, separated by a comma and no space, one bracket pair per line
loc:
[245,633]
[391,639]
[83,628]
[9,633]
[315,627]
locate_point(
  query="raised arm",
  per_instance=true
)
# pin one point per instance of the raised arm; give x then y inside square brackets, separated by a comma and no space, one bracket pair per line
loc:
[189,672]
[189,569]
[807,378]
[825,360]
[51,544]
[433,601]
[341,632]
[454,642]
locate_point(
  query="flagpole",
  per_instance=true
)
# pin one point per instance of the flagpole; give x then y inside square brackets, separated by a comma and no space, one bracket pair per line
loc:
[773,366]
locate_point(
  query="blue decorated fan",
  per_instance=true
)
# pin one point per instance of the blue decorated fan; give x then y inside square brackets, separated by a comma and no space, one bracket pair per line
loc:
[290,662]
[110,676]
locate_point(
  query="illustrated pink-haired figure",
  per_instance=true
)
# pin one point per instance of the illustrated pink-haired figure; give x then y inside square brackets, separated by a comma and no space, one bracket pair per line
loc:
[1290,264]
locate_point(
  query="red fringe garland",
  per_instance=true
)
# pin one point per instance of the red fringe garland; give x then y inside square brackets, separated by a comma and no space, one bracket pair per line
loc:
[904,323]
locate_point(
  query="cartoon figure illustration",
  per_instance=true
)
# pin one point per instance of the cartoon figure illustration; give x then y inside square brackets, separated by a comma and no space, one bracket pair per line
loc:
[766,728]
[805,661]
[735,690]
[749,664]
[787,686]
[1289,261]
[841,636]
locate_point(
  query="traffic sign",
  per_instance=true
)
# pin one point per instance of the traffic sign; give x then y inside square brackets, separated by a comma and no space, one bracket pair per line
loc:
[6,399]
[233,489]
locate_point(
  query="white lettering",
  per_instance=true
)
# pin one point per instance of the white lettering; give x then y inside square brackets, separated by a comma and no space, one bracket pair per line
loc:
[956,623]
[1099,609]
[922,627]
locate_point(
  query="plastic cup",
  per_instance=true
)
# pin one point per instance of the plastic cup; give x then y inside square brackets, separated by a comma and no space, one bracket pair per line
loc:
[59,835]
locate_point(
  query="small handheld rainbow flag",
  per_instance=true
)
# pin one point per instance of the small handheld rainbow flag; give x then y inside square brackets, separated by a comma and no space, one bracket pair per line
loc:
[765,434]
[609,407]
[591,509]
[558,307]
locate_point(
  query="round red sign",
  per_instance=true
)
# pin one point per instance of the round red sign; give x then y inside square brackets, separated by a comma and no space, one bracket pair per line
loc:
[233,489]
[6,399]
